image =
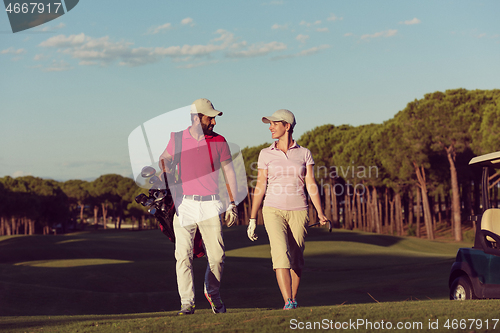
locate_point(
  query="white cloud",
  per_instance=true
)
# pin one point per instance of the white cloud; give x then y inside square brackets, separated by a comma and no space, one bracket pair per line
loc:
[348,34]
[20,173]
[302,38]
[177,51]
[12,50]
[182,59]
[99,51]
[227,39]
[199,64]
[307,24]
[322,30]
[303,53]
[239,45]
[225,36]
[187,20]
[386,33]
[334,18]
[63,41]
[279,27]
[411,22]
[53,28]
[93,51]
[103,51]
[160,28]
[39,56]
[57,66]
[259,49]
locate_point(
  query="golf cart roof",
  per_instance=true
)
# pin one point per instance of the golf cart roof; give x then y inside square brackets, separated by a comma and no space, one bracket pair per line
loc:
[488,160]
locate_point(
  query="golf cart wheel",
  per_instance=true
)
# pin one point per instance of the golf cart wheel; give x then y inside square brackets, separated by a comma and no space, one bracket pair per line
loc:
[461,289]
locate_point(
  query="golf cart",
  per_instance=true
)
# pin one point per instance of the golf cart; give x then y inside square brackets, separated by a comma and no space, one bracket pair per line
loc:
[476,271]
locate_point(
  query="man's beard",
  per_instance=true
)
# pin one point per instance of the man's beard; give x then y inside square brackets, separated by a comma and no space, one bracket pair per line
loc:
[207,129]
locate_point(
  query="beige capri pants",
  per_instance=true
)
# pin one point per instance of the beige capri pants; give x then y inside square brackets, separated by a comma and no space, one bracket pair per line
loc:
[287,230]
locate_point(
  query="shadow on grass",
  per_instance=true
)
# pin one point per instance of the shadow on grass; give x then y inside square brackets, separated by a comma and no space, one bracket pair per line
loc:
[47,322]
[50,280]
[318,234]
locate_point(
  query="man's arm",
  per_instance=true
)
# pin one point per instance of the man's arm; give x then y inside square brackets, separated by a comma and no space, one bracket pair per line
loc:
[230,178]
[232,190]
[165,162]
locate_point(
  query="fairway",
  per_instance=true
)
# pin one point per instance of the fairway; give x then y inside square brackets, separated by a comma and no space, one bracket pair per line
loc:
[124,281]
[119,272]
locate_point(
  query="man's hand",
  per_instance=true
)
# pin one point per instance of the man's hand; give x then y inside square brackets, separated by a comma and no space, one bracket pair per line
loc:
[231,214]
[251,230]
[166,164]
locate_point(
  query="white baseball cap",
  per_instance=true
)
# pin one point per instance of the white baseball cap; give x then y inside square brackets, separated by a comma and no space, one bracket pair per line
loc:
[281,115]
[204,106]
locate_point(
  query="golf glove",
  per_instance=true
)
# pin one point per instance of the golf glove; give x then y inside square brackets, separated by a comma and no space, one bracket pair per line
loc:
[231,215]
[251,230]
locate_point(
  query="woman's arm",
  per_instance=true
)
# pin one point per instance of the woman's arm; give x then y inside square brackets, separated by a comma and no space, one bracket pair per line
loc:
[312,189]
[258,194]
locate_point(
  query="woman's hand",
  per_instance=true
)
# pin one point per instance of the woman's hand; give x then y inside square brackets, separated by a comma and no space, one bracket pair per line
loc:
[322,218]
[251,230]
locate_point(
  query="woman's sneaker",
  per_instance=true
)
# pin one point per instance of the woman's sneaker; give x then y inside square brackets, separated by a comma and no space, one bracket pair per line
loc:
[186,310]
[294,303]
[217,305]
[289,305]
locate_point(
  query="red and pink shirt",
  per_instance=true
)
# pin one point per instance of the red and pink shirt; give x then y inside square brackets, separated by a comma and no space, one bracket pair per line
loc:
[200,162]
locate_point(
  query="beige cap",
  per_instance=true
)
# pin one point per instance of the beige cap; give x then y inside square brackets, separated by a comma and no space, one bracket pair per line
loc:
[281,115]
[204,106]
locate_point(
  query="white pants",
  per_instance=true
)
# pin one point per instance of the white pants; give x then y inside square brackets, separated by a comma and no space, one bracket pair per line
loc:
[202,215]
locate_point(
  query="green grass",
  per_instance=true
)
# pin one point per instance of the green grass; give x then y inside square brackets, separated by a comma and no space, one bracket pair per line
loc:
[125,281]
[419,316]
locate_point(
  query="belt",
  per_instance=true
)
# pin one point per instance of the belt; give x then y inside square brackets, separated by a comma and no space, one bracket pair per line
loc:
[202,197]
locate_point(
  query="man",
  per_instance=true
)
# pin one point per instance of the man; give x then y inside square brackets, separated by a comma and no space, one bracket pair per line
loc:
[203,153]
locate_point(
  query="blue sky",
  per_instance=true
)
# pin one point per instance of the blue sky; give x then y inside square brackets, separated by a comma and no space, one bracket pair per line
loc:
[73,89]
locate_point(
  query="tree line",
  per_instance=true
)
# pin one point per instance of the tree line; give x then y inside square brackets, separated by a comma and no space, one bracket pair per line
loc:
[30,205]
[408,175]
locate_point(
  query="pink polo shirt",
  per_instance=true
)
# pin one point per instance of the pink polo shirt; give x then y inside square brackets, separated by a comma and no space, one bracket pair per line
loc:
[285,176]
[200,162]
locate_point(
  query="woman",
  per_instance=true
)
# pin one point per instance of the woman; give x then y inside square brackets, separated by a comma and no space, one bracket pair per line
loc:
[283,169]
